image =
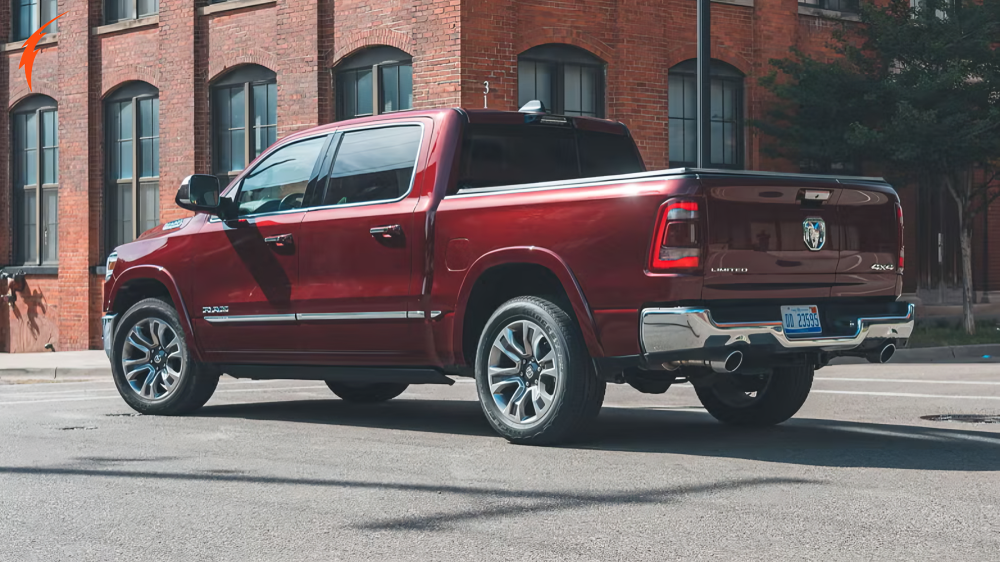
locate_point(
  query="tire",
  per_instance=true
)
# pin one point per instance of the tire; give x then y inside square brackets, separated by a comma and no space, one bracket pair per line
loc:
[367,393]
[145,383]
[778,396]
[563,382]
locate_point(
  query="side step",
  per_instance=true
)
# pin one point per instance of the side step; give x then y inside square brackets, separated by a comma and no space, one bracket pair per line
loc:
[422,375]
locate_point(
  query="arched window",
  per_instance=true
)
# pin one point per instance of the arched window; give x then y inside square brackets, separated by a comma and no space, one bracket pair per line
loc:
[727,115]
[374,81]
[29,15]
[567,79]
[244,118]
[132,171]
[35,164]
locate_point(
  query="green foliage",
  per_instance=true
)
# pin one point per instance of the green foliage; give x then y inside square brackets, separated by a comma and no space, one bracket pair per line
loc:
[914,91]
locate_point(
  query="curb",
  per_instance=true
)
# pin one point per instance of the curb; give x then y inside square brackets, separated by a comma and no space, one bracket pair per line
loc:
[61,374]
[983,353]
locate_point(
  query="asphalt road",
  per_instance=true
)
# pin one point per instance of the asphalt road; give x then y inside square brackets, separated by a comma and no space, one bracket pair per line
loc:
[275,471]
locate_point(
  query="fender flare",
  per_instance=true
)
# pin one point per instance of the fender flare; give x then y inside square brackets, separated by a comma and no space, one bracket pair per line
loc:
[527,255]
[163,276]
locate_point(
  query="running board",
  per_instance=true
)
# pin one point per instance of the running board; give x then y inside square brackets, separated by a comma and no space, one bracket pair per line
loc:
[424,375]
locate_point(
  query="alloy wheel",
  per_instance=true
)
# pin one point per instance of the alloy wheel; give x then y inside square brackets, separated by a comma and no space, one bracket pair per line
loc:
[523,373]
[152,359]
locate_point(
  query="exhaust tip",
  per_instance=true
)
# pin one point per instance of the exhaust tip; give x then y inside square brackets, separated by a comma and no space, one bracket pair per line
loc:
[887,352]
[730,364]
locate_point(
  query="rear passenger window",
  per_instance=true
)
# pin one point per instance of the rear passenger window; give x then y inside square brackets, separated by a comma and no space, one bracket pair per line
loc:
[373,165]
[495,155]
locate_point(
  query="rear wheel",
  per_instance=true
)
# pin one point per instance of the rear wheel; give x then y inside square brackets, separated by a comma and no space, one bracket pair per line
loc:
[757,400]
[366,393]
[534,375]
[152,364]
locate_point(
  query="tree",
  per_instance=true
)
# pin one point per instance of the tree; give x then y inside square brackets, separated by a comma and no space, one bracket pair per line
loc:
[914,90]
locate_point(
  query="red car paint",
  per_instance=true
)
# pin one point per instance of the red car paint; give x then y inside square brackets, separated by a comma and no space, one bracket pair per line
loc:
[594,236]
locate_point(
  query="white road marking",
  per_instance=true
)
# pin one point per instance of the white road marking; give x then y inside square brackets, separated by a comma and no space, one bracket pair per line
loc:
[84,398]
[907,381]
[906,395]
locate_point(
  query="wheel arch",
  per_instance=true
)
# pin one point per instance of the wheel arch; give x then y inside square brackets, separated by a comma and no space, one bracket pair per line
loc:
[501,275]
[147,281]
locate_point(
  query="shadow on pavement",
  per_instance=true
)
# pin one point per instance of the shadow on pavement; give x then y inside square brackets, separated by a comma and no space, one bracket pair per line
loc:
[499,502]
[810,442]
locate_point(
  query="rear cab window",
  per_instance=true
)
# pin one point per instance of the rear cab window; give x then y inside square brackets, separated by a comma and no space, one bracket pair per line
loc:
[509,154]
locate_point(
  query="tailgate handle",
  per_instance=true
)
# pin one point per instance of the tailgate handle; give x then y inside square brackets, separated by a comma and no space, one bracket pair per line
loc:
[816,195]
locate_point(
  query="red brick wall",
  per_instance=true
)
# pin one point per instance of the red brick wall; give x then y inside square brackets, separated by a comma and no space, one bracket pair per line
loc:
[456,45]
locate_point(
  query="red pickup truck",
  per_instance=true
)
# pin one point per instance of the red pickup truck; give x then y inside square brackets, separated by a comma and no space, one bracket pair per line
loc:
[530,251]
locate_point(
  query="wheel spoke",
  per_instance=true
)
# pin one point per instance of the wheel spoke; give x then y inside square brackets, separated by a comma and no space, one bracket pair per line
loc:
[526,329]
[140,338]
[496,386]
[136,341]
[507,346]
[162,334]
[518,404]
[540,398]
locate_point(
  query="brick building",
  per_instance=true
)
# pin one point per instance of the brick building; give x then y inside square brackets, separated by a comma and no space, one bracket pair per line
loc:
[130,96]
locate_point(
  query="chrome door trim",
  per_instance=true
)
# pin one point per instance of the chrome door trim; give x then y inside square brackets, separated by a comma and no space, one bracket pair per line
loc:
[251,318]
[320,316]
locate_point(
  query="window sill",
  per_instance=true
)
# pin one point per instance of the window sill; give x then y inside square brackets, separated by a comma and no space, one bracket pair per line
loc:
[747,3]
[232,5]
[126,25]
[828,14]
[32,269]
[47,39]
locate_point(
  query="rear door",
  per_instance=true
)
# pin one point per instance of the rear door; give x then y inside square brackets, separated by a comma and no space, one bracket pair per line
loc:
[357,250]
[771,240]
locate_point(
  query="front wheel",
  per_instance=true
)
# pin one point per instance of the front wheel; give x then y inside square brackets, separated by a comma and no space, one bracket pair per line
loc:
[534,376]
[152,364]
[366,393]
[755,401]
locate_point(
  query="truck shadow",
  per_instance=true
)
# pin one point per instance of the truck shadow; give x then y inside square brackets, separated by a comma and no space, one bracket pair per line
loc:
[800,441]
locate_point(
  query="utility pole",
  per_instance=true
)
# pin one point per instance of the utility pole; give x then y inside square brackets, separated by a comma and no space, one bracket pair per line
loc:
[704,83]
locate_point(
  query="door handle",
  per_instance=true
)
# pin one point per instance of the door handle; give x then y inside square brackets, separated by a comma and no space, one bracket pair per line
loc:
[386,232]
[279,241]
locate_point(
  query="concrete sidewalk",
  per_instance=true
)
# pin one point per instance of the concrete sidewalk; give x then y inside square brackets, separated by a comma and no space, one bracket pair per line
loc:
[90,365]
[54,366]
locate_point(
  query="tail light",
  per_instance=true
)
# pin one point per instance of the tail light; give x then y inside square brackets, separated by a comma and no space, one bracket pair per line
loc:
[902,248]
[677,244]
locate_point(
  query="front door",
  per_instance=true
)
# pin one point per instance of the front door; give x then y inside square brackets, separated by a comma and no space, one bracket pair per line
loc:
[357,249]
[244,274]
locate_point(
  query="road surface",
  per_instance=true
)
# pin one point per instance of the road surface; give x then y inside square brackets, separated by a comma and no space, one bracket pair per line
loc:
[272,471]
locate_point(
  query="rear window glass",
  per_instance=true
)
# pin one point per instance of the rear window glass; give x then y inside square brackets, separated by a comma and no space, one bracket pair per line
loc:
[500,155]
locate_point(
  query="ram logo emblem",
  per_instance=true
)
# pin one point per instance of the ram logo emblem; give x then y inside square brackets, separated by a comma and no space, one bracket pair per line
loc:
[214,309]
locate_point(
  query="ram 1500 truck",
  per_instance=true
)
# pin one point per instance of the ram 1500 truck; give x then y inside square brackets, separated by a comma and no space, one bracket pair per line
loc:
[530,251]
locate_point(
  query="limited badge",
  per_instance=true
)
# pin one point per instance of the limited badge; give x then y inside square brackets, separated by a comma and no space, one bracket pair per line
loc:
[814,233]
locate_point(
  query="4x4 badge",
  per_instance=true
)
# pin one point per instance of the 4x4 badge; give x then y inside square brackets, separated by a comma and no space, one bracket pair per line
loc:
[214,309]
[814,233]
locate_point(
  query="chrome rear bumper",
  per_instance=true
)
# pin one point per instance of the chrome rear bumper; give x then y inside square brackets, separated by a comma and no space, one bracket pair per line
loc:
[108,331]
[666,330]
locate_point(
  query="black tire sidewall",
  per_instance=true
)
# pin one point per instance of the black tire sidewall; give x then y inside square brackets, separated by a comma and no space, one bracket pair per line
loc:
[566,343]
[178,401]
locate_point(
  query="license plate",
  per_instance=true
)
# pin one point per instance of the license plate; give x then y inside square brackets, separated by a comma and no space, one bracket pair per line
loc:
[798,320]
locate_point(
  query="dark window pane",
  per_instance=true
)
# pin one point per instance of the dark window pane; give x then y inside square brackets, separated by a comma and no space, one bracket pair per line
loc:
[29,226]
[125,123]
[123,208]
[31,131]
[347,95]
[50,232]
[125,159]
[146,158]
[572,86]
[588,91]
[364,92]
[272,104]
[49,8]
[406,87]
[535,82]
[237,149]
[237,107]
[156,117]
[149,205]
[373,165]
[147,7]
[27,18]
[390,88]
[156,157]
[279,181]
[603,154]
[221,109]
[145,118]
[50,165]
[260,105]
[494,155]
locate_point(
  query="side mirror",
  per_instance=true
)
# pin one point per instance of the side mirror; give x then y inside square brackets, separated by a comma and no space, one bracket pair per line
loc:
[199,193]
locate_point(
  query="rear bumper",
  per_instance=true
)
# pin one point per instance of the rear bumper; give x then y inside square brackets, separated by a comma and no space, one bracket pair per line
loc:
[692,331]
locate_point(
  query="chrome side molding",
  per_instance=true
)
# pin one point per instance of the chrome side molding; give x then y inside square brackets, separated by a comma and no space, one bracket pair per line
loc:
[322,317]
